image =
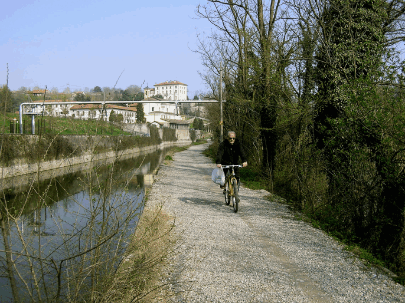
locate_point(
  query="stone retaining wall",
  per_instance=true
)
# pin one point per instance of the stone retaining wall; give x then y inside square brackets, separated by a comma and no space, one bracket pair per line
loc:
[21,168]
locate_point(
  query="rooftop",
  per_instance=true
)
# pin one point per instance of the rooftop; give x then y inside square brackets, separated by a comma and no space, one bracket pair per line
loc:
[99,106]
[177,121]
[174,82]
[39,91]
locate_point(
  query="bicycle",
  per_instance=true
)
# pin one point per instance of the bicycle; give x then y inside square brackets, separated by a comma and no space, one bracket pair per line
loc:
[231,191]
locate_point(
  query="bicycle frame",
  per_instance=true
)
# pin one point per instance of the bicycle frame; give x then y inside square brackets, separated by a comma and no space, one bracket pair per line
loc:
[231,176]
[231,193]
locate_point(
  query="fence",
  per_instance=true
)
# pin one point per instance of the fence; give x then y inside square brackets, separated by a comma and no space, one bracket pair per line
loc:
[27,126]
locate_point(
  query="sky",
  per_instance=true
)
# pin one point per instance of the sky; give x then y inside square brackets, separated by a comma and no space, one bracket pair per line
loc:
[88,43]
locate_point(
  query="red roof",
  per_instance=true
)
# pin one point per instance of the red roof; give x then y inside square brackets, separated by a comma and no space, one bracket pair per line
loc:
[41,101]
[39,91]
[132,109]
[175,82]
[86,106]
[99,106]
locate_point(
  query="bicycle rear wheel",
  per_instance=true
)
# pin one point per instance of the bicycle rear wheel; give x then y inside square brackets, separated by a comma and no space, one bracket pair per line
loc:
[235,198]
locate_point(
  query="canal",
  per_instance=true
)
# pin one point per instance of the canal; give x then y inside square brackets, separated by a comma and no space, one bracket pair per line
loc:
[62,232]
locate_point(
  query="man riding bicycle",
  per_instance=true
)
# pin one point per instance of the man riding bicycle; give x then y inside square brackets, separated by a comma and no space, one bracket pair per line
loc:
[229,152]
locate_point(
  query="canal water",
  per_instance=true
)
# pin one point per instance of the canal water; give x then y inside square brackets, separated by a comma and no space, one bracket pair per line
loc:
[63,230]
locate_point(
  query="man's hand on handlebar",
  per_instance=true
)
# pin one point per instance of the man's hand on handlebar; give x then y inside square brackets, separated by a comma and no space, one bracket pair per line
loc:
[244,164]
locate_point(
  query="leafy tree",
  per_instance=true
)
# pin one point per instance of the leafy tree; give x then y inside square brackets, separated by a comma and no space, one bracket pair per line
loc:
[82,97]
[97,89]
[353,51]
[201,126]
[353,128]
[198,124]
[113,116]
[139,96]
[9,102]
[193,135]
[23,89]
[54,90]
[140,114]
[133,89]
[126,96]
[158,96]
[119,118]
[65,111]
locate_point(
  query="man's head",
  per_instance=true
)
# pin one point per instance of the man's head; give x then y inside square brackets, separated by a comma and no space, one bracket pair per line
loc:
[231,137]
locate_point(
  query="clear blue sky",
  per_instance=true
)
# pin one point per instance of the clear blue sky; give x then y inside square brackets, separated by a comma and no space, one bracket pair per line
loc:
[87,43]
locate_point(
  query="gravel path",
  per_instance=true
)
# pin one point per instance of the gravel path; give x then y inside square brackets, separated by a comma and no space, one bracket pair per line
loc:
[260,254]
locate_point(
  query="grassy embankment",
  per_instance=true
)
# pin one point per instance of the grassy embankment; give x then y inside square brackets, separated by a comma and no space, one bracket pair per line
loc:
[251,178]
[53,143]
[63,126]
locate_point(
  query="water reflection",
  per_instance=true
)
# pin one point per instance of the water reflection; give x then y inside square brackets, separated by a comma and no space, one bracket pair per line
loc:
[60,235]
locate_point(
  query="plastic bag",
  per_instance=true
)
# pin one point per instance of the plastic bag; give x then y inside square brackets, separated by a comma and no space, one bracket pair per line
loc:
[218,176]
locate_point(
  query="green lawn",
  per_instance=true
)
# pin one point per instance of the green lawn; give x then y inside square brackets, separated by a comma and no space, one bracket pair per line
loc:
[60,125]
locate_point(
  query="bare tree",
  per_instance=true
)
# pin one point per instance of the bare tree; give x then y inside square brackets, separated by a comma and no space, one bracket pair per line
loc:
[252,44]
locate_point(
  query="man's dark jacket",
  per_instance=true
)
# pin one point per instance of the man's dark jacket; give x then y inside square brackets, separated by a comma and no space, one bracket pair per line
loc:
[229,153]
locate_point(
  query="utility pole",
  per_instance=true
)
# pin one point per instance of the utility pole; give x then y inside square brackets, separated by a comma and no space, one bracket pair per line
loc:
[220,102]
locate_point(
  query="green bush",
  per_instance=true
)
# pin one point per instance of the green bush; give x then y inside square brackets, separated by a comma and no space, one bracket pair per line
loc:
[169,134]
[193,135]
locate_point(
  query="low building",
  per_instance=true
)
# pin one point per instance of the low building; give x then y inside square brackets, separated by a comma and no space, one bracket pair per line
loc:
[182,128]
[96,111]
[159,112]
[55,110]
[39,92]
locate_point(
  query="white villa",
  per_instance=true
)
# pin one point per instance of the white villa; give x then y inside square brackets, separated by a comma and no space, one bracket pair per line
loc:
[170,90]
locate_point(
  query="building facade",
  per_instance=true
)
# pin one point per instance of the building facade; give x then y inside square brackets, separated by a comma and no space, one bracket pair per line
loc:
[170,90]
[82,111]
[96,111]
[148,92]
[159,112]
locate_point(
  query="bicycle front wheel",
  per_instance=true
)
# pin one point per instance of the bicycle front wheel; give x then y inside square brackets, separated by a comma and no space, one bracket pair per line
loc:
[227,194]
[235,197]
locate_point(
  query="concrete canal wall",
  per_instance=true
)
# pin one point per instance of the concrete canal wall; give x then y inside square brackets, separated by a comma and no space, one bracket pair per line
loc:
[89,144]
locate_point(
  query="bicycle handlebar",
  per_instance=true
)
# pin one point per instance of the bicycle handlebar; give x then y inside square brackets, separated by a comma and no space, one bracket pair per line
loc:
[229,166]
